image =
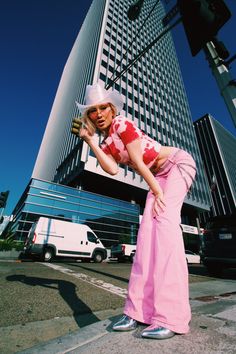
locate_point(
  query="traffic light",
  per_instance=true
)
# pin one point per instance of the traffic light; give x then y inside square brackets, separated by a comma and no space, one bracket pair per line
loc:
[3,199]
[76,125]
[202,19]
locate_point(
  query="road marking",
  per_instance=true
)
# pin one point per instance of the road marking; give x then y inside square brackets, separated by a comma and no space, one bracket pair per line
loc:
[90,280]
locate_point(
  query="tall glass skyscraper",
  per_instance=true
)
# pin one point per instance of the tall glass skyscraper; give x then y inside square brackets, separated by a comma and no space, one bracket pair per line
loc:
[153,92]
[217,146]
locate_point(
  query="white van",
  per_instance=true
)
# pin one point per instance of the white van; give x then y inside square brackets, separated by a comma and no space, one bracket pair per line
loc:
[50,238]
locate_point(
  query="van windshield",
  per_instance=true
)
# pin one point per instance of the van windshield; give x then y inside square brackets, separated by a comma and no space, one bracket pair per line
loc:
[91,237]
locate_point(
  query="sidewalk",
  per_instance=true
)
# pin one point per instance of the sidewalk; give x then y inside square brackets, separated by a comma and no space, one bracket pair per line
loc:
[213,329]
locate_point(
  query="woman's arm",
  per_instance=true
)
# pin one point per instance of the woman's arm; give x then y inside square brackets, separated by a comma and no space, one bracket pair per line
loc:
[107,162]
[136,156]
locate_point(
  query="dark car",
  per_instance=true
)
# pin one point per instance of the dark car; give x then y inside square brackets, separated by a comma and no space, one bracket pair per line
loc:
[219,244]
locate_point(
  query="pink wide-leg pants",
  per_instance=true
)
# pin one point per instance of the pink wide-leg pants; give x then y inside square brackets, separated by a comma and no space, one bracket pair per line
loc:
[158,291]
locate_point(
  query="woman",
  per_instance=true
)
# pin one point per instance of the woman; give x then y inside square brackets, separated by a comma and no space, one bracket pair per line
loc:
[158,286]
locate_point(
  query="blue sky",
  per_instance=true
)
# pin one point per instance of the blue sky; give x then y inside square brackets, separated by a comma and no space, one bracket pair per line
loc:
[36,37]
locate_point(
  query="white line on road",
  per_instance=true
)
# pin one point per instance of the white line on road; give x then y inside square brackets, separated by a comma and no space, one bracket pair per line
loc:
[90,280]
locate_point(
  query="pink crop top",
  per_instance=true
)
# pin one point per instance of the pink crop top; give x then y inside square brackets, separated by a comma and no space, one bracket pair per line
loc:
[122,132]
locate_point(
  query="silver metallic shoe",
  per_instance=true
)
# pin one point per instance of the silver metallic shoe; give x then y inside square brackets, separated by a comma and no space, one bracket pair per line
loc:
[126,323]
[157,332]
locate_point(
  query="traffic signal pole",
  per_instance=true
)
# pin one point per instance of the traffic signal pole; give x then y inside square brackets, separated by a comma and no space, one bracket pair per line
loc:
[226,84]
[1,216]
[142,53]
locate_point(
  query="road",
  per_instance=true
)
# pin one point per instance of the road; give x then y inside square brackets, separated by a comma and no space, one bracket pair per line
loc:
[41,301]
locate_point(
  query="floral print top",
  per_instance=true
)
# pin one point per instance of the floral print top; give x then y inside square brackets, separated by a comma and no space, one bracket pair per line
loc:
[122,132]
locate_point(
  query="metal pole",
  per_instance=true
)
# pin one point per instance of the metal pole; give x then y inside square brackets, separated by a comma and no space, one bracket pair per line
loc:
[133,39]
[223,78]
[2,210]
[141,54]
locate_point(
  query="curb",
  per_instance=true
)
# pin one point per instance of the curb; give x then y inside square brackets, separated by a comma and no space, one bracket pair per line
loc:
[5,255]
[72,341]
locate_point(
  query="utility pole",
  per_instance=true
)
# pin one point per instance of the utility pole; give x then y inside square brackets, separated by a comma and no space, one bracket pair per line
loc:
[226,84]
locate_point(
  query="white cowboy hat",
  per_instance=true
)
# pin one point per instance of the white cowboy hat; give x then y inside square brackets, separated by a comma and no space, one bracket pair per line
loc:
[95,95]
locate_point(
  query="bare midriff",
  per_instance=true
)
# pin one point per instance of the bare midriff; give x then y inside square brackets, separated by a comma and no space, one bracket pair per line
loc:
[163,155]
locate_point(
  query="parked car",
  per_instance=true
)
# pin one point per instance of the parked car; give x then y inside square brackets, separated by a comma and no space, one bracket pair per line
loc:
[123,251]
[192,257]
[219,244]
[49,238]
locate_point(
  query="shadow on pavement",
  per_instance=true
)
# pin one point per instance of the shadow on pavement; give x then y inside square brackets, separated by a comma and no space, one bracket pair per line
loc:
[67,291]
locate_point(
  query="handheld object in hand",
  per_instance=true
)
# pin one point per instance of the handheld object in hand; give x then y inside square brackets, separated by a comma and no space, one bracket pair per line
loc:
[77,124]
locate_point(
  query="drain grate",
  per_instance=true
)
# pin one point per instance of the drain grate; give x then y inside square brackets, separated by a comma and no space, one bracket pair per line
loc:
[207,298]
[228,294]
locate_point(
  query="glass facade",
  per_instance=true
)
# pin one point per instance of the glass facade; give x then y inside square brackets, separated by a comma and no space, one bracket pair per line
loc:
[113,220]
[216,145]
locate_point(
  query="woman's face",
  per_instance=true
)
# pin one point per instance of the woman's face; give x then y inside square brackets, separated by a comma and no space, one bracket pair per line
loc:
[101,116]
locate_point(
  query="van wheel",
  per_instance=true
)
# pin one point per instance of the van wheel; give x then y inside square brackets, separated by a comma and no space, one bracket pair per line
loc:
[98,258]
[48,255]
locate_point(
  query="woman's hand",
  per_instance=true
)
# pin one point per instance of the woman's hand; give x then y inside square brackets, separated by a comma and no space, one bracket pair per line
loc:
[84,134]
[159,204]
[136,157]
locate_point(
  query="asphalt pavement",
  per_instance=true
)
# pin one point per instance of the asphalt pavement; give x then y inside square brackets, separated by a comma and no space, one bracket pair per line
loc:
[213,329]
[213,325]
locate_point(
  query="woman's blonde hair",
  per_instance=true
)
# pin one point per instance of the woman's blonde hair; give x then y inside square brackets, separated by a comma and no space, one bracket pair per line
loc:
[89,123]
